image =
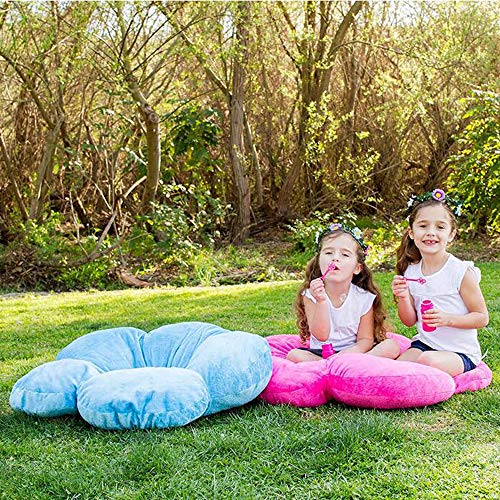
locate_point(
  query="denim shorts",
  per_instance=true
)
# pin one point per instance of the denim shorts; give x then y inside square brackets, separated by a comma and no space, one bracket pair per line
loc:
[468,364]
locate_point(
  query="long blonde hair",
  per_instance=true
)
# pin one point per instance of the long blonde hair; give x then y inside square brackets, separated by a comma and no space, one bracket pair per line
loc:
[407,252]
[364,280]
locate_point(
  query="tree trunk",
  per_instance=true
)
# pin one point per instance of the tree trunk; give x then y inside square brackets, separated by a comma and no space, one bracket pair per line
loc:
[44,169]
[151,122]
[237,144]
[154,156]
[315,74]
[12,179]
[255,162]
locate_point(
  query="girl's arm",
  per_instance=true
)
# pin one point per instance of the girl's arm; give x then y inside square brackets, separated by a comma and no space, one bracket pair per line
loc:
[317,314]
[406,306]
[471,294]
[366,335]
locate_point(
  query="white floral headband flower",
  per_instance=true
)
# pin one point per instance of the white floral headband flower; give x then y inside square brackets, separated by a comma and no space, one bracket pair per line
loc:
[355,232]
[438,195]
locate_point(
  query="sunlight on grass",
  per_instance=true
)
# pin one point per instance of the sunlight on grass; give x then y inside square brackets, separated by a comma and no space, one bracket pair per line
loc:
[449,450]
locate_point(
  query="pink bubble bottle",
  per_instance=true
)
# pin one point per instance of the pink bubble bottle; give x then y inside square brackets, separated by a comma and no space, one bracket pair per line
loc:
[327,350]
[425,306]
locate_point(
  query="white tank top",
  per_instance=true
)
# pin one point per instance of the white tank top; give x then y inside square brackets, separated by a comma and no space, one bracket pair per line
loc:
[344,320]
[443,289]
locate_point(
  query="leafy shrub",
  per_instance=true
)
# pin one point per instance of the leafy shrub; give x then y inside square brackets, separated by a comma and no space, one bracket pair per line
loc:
[95,274]
[45,255]
[186,219]
[475,168]
[303,232]
[383,240]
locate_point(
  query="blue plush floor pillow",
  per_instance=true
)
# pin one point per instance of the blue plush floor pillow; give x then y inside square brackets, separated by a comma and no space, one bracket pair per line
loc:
[125,378]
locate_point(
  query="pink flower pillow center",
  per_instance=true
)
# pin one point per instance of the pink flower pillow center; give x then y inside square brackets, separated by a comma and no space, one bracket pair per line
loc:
[362,380]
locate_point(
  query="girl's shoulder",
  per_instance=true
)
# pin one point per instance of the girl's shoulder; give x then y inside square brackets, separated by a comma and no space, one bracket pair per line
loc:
[361,292]
[460,267]
[307,293]
[413,270]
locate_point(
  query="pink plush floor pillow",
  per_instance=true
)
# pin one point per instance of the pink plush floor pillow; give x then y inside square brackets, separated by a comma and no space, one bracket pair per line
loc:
[479,378]
[361,380]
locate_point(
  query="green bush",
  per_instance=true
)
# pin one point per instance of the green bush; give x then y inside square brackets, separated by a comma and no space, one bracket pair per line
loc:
[382,240]
[475,168]
[303,232]
[46,255]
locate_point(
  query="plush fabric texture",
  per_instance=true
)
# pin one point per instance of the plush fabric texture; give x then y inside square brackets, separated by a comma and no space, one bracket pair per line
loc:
[143,398]
[113,349]
[369,382]
[236,366]
[479,378]
[49,390]
[125,378]
[362,380]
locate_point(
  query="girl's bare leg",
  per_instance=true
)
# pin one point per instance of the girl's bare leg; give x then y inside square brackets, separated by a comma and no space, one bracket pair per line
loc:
[411,354]
[449,362]
[299,356]
[388,348]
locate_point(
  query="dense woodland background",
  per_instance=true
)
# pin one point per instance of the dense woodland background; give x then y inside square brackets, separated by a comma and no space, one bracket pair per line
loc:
[134,136]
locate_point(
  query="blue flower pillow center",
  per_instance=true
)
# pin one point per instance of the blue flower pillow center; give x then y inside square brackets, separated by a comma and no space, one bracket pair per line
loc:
[125,378]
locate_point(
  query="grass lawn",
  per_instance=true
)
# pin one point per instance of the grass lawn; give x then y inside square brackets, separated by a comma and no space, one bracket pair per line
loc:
[450,450]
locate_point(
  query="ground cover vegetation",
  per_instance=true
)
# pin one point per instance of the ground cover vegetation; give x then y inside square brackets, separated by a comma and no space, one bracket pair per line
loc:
[152,142]
[447,451]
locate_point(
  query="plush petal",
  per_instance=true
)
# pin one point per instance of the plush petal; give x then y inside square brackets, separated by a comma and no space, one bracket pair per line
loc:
[49,390]
[174,345]
[479,378]
[281,345]
[297,384]
[143,398]
[113,349]
[236,367]
[370,382]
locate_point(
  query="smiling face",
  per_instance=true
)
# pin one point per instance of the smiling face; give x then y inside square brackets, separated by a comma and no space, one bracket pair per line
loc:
[341,249]
[432,230]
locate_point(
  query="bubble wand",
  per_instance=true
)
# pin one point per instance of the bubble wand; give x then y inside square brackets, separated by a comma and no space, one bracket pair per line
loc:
[422,281]
[330,267]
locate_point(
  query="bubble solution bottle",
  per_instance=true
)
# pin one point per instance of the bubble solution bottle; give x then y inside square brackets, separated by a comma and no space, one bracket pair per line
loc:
[327,350]
[425,306]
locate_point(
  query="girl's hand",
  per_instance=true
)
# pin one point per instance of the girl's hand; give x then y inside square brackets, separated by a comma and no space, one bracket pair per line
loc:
[318,291]
[437,318]
[400,287]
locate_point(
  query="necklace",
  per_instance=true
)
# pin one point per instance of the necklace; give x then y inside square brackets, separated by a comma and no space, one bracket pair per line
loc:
[338,301]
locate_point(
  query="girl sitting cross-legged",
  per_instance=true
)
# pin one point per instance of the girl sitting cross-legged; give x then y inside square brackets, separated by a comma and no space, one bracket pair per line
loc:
[339,307]
[436,291]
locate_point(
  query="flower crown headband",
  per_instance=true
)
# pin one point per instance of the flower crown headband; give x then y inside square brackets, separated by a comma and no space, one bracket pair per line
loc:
[355,232]
[438,195]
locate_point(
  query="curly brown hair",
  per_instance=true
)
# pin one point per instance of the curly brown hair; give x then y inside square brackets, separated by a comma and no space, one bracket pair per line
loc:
[364,280]
[407,252]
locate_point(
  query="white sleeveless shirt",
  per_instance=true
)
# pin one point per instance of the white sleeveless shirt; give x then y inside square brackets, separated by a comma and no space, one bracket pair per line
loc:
[344,320]
[443,289]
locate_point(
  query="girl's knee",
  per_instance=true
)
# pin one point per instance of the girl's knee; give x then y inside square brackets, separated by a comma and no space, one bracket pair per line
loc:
[427,358]
[448,362]
[388,348]
[392,347]
[294,355]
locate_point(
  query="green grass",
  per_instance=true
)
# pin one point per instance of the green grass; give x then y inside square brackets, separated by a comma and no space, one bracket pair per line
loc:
[450,450]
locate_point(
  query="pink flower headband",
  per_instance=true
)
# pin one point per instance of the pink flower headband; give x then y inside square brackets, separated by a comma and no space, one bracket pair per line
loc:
[438,195]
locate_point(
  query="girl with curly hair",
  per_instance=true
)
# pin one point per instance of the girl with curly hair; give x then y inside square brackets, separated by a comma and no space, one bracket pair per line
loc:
[339,307]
